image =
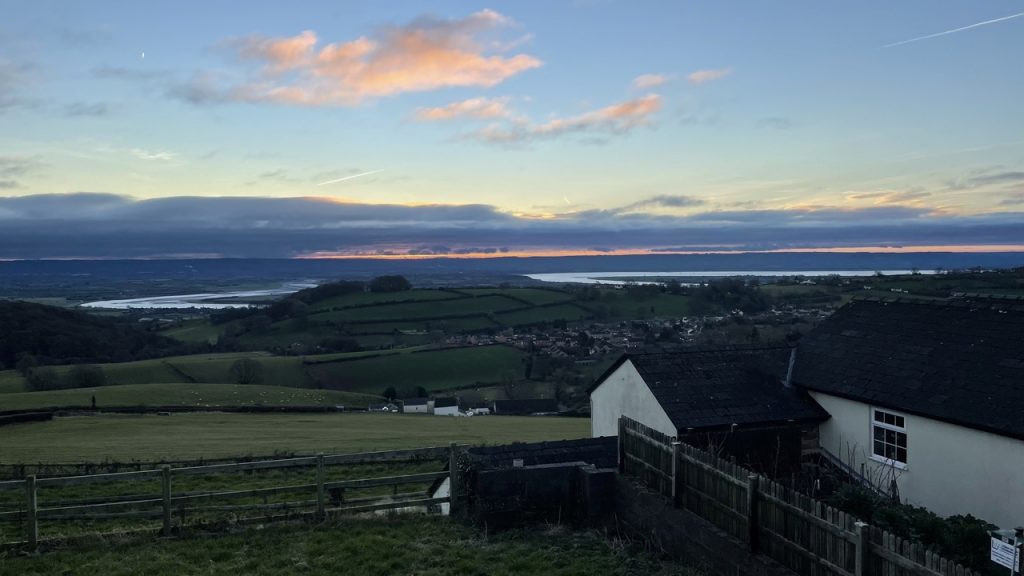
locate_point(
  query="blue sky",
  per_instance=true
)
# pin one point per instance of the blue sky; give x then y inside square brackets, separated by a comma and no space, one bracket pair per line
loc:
[586,115]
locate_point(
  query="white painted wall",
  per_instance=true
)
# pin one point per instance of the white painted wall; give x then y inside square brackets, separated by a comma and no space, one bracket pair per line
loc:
[415,409]
[444,491]
[950,469]
[624,393]
[447,411]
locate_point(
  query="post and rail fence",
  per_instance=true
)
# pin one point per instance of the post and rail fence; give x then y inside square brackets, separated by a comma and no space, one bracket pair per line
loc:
[167,504]
[797,531]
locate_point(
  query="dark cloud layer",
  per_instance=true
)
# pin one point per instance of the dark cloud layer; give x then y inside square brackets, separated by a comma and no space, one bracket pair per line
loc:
[107,225]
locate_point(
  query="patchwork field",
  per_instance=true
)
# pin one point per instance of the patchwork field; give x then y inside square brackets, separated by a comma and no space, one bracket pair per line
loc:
[209,435]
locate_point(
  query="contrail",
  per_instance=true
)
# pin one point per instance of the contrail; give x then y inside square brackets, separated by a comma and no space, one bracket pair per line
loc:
[343,178]
[955,30]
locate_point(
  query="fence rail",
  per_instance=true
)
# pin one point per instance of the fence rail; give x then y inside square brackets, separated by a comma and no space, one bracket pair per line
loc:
[320,499]
[801,533]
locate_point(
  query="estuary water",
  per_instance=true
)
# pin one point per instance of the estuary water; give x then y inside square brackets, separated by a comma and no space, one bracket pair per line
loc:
[616,277]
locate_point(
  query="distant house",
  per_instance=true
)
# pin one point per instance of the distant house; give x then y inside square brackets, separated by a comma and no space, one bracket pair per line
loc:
[734,401]
[927,399]
[480,410]
[415,406]
[384,407]
[446,406]
[526,407]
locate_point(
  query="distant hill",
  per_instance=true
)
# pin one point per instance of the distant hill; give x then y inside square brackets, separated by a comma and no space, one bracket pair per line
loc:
[455,271]
[54,335]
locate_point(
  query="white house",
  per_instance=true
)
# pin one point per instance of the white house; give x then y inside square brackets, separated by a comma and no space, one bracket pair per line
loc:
[446,406]
[734,399]
[415,406]
[926,399]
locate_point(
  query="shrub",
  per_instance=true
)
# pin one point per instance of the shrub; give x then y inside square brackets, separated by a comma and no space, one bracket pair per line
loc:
[86,376]
[963,539]
[246,371]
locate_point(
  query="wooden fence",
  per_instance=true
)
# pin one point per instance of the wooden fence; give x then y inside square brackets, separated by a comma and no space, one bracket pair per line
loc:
[801,533]
[320,499]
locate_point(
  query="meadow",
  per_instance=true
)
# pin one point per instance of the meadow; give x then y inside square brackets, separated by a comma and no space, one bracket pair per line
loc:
[366,374]
[217,435]
[427,546]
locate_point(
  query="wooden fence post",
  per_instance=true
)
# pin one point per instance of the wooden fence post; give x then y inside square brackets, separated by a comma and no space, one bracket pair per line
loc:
[165,475]
[321,513]
[31,516]
[862,549]
[753,484]
[454,482]
[622,445]
[675,473]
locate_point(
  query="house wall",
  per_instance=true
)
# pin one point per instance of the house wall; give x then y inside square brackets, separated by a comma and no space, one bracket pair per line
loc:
[447,411]
[950,469]
[624,393]
[415,409]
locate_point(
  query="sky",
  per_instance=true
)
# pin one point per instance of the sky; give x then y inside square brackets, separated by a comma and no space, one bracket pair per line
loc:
[163,129]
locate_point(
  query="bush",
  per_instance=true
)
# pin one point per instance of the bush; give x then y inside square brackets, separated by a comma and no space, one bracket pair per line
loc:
[86,376]
[44,378]
[963,539]
[390,284]
[246,371]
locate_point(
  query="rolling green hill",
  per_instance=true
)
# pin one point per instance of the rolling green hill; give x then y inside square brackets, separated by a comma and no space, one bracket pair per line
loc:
[204,395]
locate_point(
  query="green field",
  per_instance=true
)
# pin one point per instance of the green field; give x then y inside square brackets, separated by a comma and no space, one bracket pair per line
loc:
[565,312]
[397,545]
[402,311]
[209,395]
[435,370]
[365,298]
[535,296]
[209,435]
[367,372]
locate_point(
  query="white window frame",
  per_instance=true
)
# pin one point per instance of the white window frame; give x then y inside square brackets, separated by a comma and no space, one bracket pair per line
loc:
[886,426]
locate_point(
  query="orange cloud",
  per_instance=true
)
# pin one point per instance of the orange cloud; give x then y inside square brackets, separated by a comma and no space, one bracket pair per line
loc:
[617,118]
[426,54]
[704,76]
[478,108]
[648,81]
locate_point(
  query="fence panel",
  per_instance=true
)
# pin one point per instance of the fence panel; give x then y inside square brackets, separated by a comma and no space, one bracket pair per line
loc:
[801,533]
[713,489]
[240,493]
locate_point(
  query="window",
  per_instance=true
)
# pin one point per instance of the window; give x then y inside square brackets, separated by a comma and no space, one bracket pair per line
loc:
[889,435]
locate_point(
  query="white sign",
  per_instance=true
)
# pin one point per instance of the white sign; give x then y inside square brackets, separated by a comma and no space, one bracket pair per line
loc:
[1003,553]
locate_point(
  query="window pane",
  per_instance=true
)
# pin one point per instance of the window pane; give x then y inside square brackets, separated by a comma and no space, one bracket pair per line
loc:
[878,416]
[879,433]
[890,437]
[879,448]
[901,455]
[901,440]
[890,451]
[899,421]
[890,419]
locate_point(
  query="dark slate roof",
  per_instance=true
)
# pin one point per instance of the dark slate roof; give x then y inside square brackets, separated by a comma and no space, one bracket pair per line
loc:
[960,362]
[601,452]
[445,402]
[716,388]
[526,406]
[414,402]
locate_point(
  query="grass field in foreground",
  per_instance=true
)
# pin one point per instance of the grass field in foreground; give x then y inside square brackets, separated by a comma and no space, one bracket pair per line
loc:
[184,395]
[419,545]
[209,435]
